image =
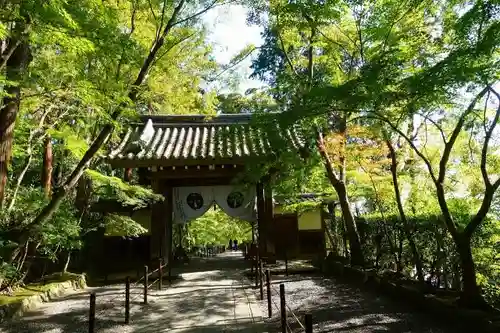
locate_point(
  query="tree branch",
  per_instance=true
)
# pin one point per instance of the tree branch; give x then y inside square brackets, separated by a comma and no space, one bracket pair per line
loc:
[154,50]
[433,122]
[158,27]
[234,65]
[162,20]
[487,138]
[410,142]
[132,29]
[21,35]
[334,179]
[287,58]
[171,47]
[454,135]
[203,11]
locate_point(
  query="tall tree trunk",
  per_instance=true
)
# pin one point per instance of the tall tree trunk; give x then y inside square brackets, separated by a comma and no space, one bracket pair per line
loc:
[357,258]
[66,262]
[471,293]
[331,229]
[58,177]
[47,167]
[356,252]
[406,227]
[15,69]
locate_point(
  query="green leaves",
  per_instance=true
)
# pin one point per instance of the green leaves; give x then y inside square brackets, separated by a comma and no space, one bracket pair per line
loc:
[106,187]
[215,227]
[120,225]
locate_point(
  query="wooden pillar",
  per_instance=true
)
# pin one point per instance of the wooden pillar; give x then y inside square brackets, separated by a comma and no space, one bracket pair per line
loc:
[269,222]
[127,175]
[253,232]
[161,217]
[169,207]
[155,229]
[261,220]
[179,226]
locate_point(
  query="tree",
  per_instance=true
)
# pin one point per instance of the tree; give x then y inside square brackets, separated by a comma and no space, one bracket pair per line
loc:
[390,85]
[462,235]
[94,68]
[392,62]
[288,62]
[165,25]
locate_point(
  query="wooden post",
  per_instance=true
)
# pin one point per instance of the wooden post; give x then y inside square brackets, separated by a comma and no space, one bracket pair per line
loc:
[146,284]
[169,203]
[283,308]
[269,295]
[256,261]
[160,273]
[260,281]
[169,269]
[127,300]
[251,265]
[261,220]
[309,323]
[92,313]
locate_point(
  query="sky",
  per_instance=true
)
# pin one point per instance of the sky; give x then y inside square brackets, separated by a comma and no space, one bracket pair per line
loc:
[229,34]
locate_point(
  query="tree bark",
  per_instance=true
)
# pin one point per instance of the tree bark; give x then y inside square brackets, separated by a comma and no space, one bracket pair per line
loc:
[356,253]
[471,296]
[66,262]
[16,67]
[406,227]
[357,258]
[47,167]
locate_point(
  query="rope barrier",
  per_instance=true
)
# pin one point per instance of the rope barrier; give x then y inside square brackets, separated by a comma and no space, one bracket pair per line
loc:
[112,302]
[151,284]
[295,317]
[149,274]
[289,310]
[109,302]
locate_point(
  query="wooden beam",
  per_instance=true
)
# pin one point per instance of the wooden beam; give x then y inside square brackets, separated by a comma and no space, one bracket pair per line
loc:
[141,163]
[200,172]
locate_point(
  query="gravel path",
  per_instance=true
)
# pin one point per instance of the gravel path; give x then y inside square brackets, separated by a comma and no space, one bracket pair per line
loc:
[337,307]
[211,296]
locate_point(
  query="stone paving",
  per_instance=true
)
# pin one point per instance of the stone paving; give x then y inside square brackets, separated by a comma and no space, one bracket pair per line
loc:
[212,296]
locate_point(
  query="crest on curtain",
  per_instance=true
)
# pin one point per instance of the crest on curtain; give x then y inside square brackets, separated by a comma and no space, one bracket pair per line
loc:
[194,201]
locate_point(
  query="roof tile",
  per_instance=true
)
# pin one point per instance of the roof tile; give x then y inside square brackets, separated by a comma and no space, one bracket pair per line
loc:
[189,140]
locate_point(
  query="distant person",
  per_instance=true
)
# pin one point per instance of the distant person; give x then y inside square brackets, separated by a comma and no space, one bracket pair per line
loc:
[235,245]
[230,244]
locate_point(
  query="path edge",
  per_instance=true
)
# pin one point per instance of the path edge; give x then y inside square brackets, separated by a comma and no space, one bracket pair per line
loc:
[18,309]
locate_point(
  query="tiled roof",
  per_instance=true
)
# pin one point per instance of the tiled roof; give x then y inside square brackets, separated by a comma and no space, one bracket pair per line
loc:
[198,139]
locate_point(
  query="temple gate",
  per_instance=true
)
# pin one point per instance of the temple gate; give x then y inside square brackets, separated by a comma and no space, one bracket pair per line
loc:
[196,161]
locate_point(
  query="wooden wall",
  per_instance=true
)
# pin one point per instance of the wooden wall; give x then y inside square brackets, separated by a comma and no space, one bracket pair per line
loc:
[299,236]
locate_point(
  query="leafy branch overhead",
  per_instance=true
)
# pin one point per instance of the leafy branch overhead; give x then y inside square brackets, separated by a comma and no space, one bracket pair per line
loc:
[108,187]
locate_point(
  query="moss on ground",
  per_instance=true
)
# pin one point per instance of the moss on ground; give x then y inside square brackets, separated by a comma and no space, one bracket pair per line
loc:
[37,288]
